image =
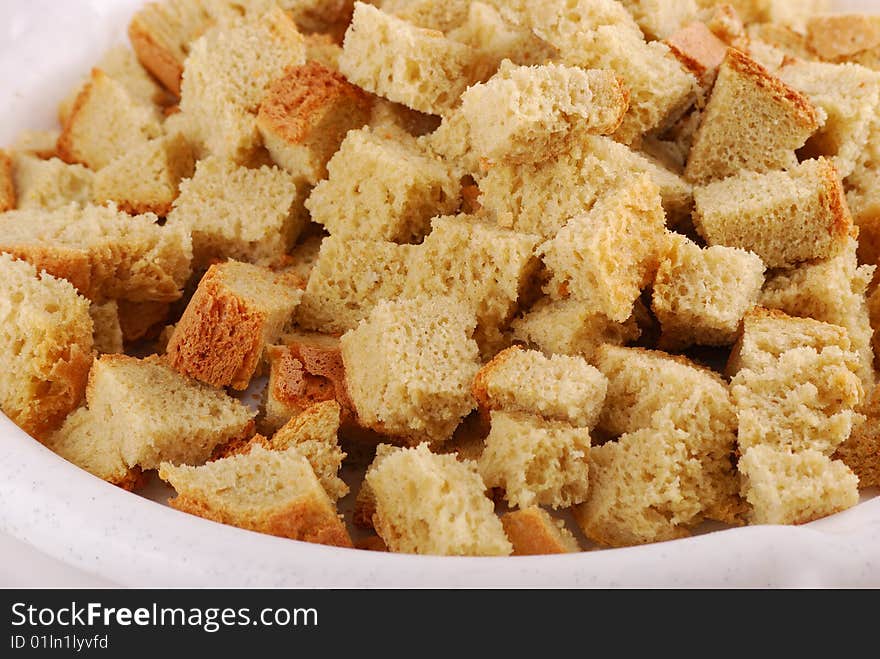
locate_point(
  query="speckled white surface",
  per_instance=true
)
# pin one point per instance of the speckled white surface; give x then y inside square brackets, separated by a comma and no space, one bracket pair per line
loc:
[126,539]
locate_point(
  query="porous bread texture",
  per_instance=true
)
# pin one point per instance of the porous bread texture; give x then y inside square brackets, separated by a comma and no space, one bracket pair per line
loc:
[104,253]
[107,334]
[140,320]
[658,19]
[351,277]
[236,312]
[303,257]
[434,504]
[274,492]
[840,37]
[795,488]
[7,183]
[608,255]
[790,12]
[861,451]
[45,346]
[39,143]
[417,67]
[687,405]
[540,198]
[780,37]
[452,143]
[382,188]
[850,97]
[252,215]
[753,121]
[141,413]
[323,49]
[409,367]
[147,178]
[50,183]
[431,14]
[699,51]
[832,291]
[783,217]
[533,532]
[557,388]
[304,370]
[489,268]
[305,116]
[536,461]
[528,113]
[570,327]
[700,295]
[797,386]
[122,65]
[105,123]
[320,16]
[226,77]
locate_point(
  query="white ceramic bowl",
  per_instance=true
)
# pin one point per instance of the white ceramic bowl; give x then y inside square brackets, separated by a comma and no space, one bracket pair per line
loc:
[132,540]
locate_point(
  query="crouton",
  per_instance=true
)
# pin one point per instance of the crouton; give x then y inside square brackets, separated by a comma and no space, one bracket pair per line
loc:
[7,183]
[699,50]
[107,335]
[839,37]
[50,184]
[532,531]
[861,450]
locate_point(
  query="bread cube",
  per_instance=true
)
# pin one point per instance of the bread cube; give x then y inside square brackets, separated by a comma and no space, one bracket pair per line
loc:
[526,114]
[102,252]
[783,217]
[349,279]
[45,346]
[7,183]
[409,367]
[442,16]
[305,116]
[273,492]
[558,388]
[753,122]
[486,266]
[701,295]
[41,144]
[50,184]
[105,122]
[699,51]
[532,532]
[795,488]
[861,450]
[661,18]
[607,256]
[571,327]
[382,189]
[237,311]
[540,198]
[839,37]
[140,320]
[434,504]
[252,215]
[417,67]
[107,334]
[536,461]
[227,76]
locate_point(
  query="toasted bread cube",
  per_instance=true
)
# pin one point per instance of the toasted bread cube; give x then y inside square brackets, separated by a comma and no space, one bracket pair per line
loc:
[832,291]
[701,295]
[417,67]
[783,217]
[840,37]
[305,117]
[147,179]
[540,198]
[571,327]
[41,144]
[850,95]
[252,215]
[140,320]
[661,18]
[102,252]
[237,311]
[107,334]
[525,114]
[382,189]
[434,504]
[323,49]
[607,256]
[305,370]
[699,50]
[558,388]
[227,76]
[45,346]
[486,266]
[105,123]
[650,389]
[274,492]
[536,461]
[349,279]
[452,143]
[753,122]
[533,532]
[636,490]
[142,413]
[795,488]
[861,451]
[409,367]
[50,183]
[765,11]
